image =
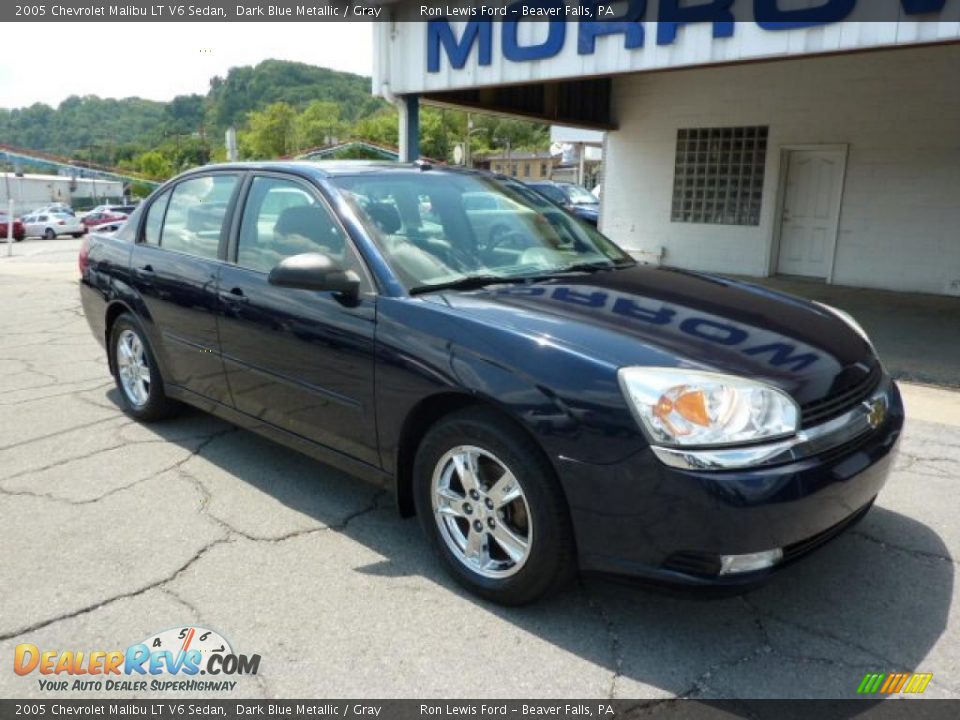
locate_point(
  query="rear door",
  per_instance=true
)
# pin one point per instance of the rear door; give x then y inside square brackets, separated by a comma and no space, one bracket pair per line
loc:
[301,360]
[174,266]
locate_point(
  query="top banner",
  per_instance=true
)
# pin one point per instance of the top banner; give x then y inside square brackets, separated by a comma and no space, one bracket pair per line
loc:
[783,13]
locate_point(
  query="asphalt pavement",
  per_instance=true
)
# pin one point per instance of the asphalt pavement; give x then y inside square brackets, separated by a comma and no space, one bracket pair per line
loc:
[111,531]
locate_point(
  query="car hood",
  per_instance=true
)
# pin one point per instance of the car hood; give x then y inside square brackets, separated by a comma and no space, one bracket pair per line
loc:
[591,211]
[658,316]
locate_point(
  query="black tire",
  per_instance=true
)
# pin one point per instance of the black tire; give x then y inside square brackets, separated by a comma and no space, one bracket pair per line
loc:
[551,560]
[77,235]
[157,405]
[50,234]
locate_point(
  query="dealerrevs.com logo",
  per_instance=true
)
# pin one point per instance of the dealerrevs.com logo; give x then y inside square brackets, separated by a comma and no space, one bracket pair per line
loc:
[172,660]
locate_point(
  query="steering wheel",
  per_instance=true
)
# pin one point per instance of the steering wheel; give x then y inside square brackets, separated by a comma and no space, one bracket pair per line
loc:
[453,257]
[541,256]
[502,234]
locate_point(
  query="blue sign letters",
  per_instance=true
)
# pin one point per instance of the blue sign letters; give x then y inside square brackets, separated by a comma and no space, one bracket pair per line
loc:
[671,15]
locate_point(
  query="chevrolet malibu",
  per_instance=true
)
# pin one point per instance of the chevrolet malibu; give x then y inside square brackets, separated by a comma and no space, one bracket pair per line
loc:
[539,400]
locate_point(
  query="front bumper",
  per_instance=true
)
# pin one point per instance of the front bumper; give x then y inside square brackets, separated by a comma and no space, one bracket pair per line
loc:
[646,519]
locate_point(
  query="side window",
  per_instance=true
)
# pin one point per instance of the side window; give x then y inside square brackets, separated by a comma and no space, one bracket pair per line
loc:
[195,215]
[151,229]
[281,218]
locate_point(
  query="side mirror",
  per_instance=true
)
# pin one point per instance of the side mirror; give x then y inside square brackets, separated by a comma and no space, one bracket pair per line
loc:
[315,271]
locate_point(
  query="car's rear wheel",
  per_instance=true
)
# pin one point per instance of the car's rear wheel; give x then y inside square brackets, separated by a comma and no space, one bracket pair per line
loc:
[50,234]
[492,508]
[137,373]
[77,235]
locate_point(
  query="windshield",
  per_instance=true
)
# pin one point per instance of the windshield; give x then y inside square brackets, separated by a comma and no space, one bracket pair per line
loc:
[440,228]
[578,195]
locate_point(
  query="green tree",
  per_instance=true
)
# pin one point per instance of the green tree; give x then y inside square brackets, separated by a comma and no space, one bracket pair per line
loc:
[381,128]
[140,189]
[245,89]
[319,124]
[185,114]
[270,133]
[155,165]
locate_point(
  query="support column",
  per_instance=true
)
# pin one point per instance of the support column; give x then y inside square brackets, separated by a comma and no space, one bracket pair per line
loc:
[409,128]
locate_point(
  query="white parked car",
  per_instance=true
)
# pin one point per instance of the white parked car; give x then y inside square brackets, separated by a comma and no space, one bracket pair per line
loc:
[54,208]
[52,225]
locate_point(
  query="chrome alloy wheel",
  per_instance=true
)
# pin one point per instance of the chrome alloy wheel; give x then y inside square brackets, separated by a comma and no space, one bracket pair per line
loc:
[133,368]
[482,512]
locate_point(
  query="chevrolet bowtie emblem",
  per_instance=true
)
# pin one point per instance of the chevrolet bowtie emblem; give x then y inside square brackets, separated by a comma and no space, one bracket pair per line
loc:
[876,412]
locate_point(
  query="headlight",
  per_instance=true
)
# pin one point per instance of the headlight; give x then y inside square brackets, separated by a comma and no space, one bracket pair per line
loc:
[690,407]
[848,319]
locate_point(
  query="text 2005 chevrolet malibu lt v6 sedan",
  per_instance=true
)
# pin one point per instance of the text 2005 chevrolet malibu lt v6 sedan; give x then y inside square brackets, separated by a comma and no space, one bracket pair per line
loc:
[538,399]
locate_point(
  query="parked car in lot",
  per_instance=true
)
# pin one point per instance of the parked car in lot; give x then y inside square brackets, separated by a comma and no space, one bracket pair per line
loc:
[19,231]
[93,218]
[542,403]
[115,209]
[107,227]
[54,208]
[574,198]
[52,225]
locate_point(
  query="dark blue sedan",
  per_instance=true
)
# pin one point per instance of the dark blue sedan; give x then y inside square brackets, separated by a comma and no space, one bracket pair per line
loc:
[539,400]
[573,198]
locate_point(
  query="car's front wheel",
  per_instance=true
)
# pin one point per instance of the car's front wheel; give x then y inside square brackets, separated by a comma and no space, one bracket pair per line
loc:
[136,372]
[50,234]
[492,508]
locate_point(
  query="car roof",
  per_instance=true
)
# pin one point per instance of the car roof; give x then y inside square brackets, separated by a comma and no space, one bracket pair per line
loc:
[332,168]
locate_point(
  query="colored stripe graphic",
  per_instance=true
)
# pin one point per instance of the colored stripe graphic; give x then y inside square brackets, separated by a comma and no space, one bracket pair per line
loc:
[893,683]
[918,683]
[871,683]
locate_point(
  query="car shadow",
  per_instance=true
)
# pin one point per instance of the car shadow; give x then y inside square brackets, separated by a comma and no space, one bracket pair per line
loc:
[863,603]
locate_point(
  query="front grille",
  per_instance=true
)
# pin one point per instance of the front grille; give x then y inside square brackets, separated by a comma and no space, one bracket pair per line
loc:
[840,400]
[799,549]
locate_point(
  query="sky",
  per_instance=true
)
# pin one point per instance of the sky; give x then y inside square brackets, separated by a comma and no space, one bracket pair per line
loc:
[48,62]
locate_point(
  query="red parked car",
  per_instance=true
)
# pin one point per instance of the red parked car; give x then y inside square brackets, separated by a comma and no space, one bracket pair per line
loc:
[19,231]
[95,218]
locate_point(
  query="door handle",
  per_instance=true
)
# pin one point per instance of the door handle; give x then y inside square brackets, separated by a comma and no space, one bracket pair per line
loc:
[146,275]
[234,296]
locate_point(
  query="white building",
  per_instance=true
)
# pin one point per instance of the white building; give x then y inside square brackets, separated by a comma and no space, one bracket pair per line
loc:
[31,191]
[829,151]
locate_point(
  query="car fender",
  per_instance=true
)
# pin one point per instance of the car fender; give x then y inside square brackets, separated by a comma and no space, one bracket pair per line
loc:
[569,402]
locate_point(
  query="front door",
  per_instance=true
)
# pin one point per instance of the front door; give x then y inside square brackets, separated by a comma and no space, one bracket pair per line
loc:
[300,360]
[811,212]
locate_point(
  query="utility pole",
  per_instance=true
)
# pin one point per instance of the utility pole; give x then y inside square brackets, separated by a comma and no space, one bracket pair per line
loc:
[467,151]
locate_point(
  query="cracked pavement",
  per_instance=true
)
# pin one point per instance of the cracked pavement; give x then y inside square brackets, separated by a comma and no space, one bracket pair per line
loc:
[111,531]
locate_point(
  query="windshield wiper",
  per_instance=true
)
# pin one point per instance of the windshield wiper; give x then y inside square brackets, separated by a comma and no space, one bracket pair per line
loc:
[587,267]
[469,282]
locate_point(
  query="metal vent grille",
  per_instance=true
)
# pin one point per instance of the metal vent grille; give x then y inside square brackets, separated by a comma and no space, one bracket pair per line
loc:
[840,400]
